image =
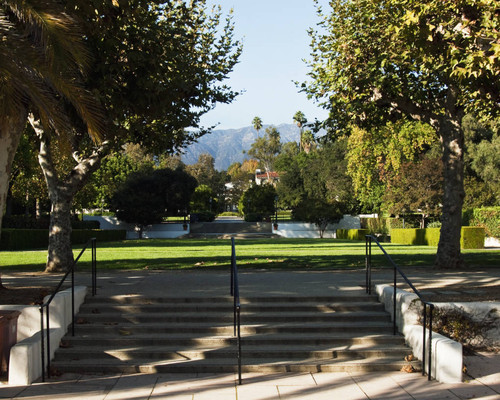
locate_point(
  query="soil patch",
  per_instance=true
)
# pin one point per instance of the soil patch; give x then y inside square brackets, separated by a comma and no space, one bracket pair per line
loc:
[27,295]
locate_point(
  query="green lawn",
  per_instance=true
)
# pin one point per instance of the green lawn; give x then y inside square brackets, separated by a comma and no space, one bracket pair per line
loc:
[258,253]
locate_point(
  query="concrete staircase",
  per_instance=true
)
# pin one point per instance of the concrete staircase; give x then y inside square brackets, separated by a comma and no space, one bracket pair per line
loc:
[279,334]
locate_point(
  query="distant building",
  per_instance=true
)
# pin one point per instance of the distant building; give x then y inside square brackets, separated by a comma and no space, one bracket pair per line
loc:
[268,177]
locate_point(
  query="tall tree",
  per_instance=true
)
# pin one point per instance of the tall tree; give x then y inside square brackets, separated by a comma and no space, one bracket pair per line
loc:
[257,124]
[158,67]
[300,120]
[266,148]
[433,61]
[42,58]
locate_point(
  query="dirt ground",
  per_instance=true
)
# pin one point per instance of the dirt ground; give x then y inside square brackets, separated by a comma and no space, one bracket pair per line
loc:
[29,295]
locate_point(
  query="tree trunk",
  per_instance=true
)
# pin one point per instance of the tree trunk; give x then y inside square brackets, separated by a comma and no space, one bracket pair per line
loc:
[452,140]
[61,194]
[60,252]
[11,130]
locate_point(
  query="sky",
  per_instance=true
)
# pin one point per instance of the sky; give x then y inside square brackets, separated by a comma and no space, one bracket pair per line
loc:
[275,42]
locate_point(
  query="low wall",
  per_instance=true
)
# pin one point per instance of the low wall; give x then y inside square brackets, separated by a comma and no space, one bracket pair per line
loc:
[306,230]
[156,231]
[447,355]
[25,364]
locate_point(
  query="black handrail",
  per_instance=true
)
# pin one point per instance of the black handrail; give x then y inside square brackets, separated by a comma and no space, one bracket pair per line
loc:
[46,305]
[368,263]
[235,292]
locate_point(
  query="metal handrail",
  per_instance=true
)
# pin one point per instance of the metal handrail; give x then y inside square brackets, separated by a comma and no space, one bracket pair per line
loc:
[396,269]
[235,292]
[46,305]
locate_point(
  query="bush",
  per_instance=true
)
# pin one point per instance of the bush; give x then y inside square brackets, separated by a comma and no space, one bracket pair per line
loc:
[253,217]
[471,237]
[24,239]
[28,222]
[352,234]
[202,216]
[487,218]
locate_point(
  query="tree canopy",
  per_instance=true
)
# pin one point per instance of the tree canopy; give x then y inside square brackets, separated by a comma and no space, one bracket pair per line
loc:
[375,61]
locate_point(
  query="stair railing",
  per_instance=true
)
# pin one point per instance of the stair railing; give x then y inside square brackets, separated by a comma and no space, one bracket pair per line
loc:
[235,292]
[396,270]
[71,270]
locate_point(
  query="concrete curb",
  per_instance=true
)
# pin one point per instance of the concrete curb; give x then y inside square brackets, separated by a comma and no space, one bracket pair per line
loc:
[447,356]
[25,360]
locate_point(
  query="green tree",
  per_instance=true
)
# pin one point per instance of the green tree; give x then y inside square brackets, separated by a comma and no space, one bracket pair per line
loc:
[432,61]
[42,59]
[147,197]
[257,124]
[266,148]
[300,120]
[177,55]
[203,199]
[318,212]
[258,200]
[375,156]
[418,188]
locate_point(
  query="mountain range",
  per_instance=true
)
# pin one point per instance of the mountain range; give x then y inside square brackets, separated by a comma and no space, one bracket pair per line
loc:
[227,146]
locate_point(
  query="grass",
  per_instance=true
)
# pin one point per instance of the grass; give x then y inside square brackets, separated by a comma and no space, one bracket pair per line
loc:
[258,253]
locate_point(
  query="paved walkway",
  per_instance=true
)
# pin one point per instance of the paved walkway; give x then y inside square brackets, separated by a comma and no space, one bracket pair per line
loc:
[484,371]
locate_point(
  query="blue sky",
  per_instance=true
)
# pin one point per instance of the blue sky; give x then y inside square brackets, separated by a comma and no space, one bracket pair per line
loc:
[275,40]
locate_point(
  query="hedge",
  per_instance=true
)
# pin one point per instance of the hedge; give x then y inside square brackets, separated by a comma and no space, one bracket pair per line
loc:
[486,217]
[24,239]
[471,237]
[352,234]
[28,222]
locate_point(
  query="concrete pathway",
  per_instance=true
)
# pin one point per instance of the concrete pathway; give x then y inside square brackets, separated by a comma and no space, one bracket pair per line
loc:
[483,381]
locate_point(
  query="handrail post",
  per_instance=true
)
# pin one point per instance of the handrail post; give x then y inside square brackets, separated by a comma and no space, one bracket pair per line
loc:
[73,302]
[42,343]
[239,344]
[429,375]
[48,341]
[94,266]
[423,338]
[394,299]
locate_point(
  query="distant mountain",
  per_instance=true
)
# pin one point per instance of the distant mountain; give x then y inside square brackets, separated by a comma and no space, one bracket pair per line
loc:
[226,146]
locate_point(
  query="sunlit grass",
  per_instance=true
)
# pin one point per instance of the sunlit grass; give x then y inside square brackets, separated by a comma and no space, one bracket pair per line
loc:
[257,253]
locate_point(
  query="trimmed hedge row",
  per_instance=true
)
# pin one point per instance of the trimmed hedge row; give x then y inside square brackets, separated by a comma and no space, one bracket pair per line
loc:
[352,234]
[24,239]
[486,217]
[471,237]
[28,222]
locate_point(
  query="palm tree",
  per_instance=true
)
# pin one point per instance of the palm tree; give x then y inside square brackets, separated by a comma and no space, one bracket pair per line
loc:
[42,61]
[300,120]
[257,124]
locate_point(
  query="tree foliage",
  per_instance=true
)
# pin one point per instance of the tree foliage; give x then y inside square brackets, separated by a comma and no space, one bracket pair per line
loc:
[258,199]
[266,148]
[146,197]
[374,61]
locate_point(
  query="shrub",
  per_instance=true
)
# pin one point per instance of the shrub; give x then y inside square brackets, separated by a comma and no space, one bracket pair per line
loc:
[471,237]
[24,239]
[487,218]
[352,234]
[253,217]
[202,216]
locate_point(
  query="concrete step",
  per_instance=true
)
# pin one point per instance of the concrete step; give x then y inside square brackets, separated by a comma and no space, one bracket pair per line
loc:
[112,366]
[209,328]
[155,353]
[339,339]
[248,318]
[212,301]
[128,334]
[105,308]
